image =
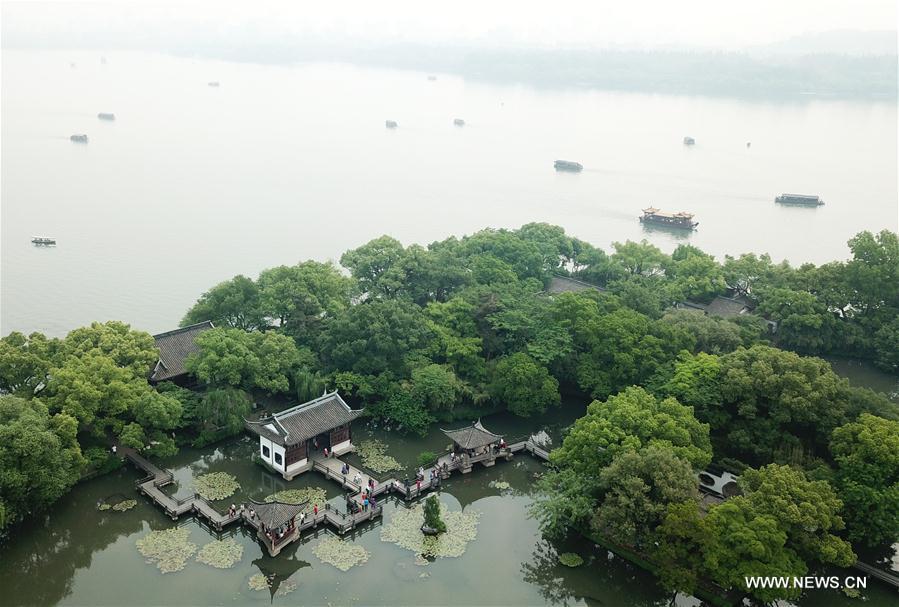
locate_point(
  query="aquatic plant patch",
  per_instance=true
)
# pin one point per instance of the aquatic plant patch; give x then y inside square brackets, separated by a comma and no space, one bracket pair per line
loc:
[342,554]
[313,495]
[222,554]
[571,559]
[103,507]
[501,485]
[258,582]
[374,457]
[216,485]
[169,549]
[404,529]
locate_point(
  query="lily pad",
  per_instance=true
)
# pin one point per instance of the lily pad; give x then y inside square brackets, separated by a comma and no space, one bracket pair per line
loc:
[169,549]
[222,554]
[216,485]
[124,505]
[571,559]
[340,553]
[501,485]
[103,507]
[374,457]
[258,582]
[313,495]
[404,529]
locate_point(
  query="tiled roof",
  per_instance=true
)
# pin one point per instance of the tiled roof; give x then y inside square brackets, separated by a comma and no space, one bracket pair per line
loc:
[563,284]
[174,347]
[300,423]
[275,514]
[473,436]
[727,307]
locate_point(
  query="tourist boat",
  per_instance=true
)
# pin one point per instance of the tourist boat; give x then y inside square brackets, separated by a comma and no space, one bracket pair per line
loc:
[458,122]
[213,84]
[432,78]
[800,199]
[689,141]
[390,124]
[567,165]
[43,240]
[105,116]
[79,138]
[675,220]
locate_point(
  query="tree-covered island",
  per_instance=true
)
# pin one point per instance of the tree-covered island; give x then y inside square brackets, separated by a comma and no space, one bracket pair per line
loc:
[687,360]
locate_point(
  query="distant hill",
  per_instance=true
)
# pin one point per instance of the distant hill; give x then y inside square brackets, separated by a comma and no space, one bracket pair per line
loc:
[835,42]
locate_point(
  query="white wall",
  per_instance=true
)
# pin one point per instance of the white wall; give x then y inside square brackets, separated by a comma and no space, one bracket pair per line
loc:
[278,449]
[264,442]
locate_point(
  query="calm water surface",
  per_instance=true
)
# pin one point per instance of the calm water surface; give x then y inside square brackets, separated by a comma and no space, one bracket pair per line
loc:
[193,184]
[78,555]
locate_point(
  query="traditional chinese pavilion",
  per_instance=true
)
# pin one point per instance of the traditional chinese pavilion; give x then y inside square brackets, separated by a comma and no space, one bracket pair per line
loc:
[289,439]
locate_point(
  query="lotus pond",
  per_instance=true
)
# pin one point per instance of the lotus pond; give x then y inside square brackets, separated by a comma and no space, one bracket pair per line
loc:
[79,554]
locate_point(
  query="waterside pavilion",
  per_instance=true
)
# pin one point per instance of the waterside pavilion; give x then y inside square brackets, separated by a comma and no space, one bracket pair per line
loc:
[174,348]
[475,443]
[275,523]
[289,439]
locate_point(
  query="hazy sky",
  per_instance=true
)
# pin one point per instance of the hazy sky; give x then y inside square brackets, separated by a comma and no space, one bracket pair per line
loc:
[723,24]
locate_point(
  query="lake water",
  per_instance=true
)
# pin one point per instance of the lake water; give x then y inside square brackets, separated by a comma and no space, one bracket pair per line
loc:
[192,184]
[77,555]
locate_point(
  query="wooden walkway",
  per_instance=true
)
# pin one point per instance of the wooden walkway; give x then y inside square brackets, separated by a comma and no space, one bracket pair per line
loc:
[342,522]
[880,574]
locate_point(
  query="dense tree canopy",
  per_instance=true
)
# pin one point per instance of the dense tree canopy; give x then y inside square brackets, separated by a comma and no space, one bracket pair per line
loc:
[40,458]
[867,478]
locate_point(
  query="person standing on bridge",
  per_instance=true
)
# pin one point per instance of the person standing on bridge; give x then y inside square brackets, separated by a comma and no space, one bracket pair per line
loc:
[315,510]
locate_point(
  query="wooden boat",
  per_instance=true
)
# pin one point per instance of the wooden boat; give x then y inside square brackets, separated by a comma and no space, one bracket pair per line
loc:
[458,122]
[105,116]
[682,219]
[567,165]
[689,141]
[390,124]
[43,241]
[800,199]
[213,84]
[79,138]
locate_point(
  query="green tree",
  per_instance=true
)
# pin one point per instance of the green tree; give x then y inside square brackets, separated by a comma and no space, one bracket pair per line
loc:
[233,303]
[377,266]
[375,337]
[630,421]
[804,323]
[807,511]
[637,488]
[696,382]
[94,390]
[886,346]
[220,413]
[402,412]
[40,459]
[867,478]
[25,362]
[524,386]
[639,258]
[748,544]
[436,387]
[564,500]
[226,357]
[299,297]
[432,514]
[712,334]
[278,359]
[682,543]
[129,349]
[694,275]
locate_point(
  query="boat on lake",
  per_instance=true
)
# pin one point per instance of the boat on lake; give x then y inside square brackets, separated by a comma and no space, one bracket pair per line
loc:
[689,141]
[213,84]
[800,199]
[390,124]
[567,165]
[105,116]
[43,241]
[79,138]
[682,219]
[458,122]
[432,78]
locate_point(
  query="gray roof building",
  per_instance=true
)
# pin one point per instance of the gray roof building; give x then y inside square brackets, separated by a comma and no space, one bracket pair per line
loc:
[473,436]
[275,514]
[174,348]
[564,284]
[308,420]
